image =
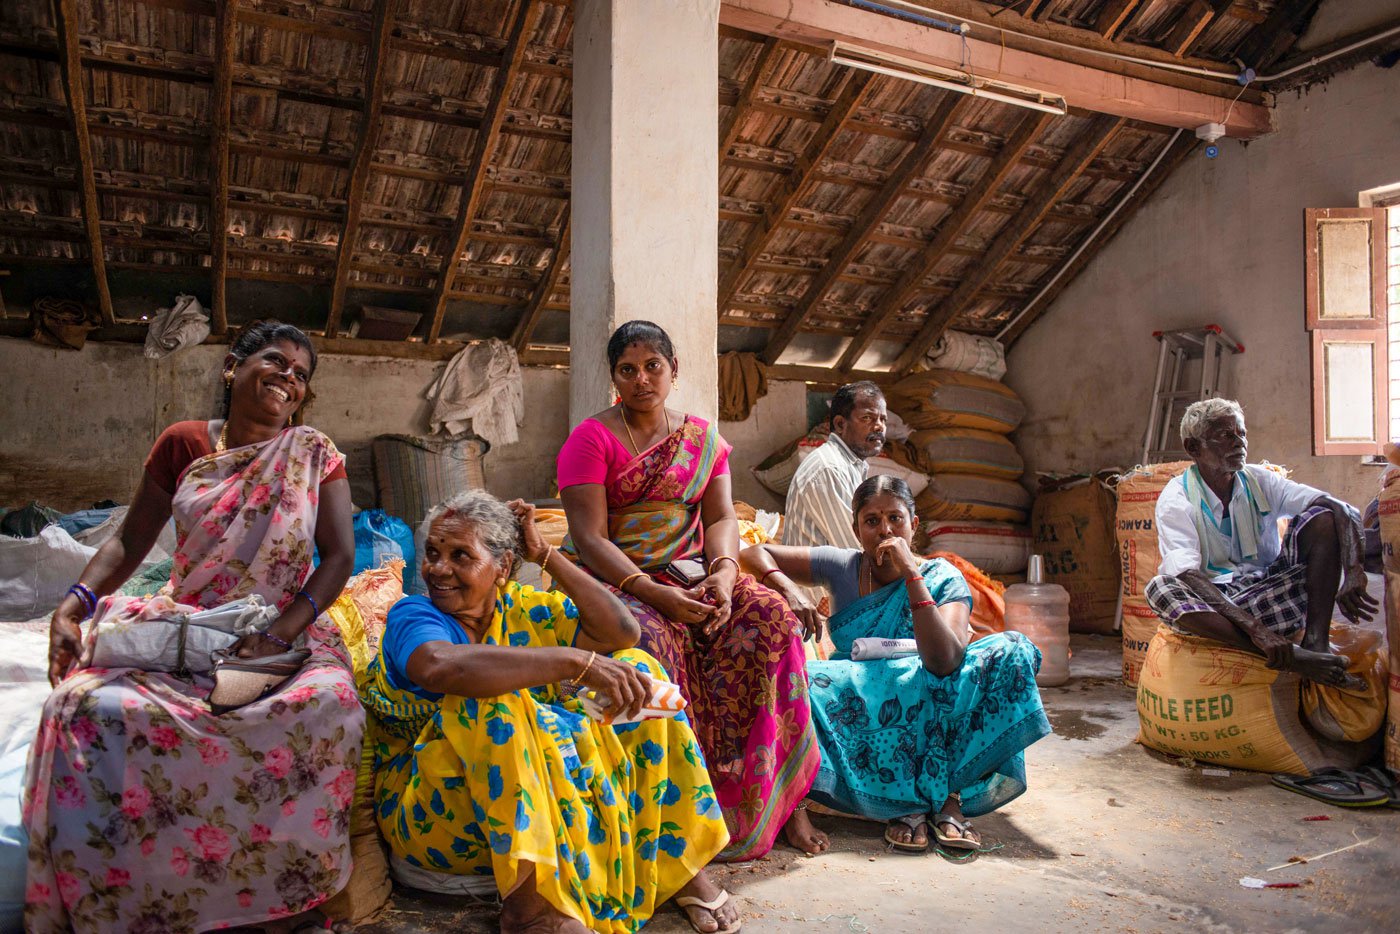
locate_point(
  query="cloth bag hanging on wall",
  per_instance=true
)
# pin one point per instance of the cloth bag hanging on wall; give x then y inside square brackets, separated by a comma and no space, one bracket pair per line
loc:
[482,387]
[184,324]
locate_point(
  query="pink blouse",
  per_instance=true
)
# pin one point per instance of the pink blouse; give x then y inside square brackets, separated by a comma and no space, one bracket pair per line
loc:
[593,454]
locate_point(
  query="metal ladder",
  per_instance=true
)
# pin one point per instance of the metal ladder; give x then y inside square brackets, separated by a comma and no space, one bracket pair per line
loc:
[1214,348]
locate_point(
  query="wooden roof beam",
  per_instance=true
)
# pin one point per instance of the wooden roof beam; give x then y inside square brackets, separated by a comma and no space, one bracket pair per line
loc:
[952,227]
[1114,16]
[1287,22]
[220,116]
[910,166]
[65,14]
[534,310]
[1049,190]
[484,144]
[758,77]
[1194,21]
[855,84]
[1086,82]
[375,78]
[1066,273]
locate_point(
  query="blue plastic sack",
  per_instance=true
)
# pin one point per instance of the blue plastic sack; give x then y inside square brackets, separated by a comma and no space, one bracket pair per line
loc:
[379,535]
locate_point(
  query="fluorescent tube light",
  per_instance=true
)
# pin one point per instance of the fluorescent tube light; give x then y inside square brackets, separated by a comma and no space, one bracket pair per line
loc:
[949,79]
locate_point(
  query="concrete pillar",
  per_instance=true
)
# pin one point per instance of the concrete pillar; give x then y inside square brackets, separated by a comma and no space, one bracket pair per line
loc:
[645,190]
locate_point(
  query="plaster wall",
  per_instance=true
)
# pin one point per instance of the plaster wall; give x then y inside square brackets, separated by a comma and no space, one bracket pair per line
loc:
[100,409]
[1221,242]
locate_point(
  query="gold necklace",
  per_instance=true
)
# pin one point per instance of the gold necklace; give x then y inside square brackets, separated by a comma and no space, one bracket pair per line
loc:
[622,413]
[222,444]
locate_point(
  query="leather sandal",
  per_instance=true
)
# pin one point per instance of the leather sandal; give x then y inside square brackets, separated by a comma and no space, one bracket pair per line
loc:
[240,681]
[687,902]
[913,822]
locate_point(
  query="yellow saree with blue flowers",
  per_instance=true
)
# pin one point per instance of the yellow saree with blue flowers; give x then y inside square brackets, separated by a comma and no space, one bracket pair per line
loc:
[614,819]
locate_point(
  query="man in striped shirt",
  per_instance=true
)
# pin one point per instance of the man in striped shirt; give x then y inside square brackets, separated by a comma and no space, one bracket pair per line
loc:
[819,499]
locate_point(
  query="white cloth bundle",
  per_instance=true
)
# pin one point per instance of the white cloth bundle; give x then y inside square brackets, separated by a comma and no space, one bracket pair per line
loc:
[482,386]
[665,701]
[183,325]
[867,649]
[158,634]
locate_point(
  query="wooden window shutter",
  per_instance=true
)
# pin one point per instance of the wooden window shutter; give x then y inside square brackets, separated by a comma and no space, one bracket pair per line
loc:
[1345,280]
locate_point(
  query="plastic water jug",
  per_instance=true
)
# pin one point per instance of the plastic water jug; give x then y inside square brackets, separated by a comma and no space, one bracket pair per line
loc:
[1040,612]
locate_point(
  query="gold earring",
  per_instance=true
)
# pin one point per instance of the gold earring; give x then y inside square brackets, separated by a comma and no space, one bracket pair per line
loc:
[675,381]
[228,378]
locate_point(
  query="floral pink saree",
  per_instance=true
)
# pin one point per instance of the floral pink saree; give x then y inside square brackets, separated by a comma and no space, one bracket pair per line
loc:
[748,688]
[147,813]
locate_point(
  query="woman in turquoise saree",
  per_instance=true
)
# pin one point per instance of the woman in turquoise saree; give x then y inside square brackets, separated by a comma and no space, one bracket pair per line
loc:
[924,739]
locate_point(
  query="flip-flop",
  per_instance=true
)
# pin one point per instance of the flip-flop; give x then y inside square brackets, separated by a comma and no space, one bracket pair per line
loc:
[913,822]
[686,902]
[1335,786]
[1385,780]
[961,826]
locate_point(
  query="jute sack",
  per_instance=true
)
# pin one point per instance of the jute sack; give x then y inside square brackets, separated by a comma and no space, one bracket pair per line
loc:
[1390,556]
[1139,626]
[1136,523]
[945,399]
[966,450]
[1207,701]
[1072,529]
[994,547]
[967,496]
[777,469]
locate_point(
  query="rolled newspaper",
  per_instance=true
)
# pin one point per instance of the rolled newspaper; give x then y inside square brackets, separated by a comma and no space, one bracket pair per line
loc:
[665,701]
[867,649]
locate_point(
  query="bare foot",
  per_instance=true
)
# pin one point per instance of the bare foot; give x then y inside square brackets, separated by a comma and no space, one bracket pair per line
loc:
[525,911]
[803,836]
[702,919]
[968,836]
[1324,668]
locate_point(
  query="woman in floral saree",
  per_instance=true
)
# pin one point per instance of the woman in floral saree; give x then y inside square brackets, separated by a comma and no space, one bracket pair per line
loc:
[924,739]
[145,811]
[647,495]
[484,766]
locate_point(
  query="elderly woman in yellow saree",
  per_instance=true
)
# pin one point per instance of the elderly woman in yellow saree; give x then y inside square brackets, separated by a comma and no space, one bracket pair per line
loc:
[647,495]
[486,765]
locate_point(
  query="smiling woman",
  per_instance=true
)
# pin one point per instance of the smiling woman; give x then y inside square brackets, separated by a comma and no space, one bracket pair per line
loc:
[485,765]
[239,805]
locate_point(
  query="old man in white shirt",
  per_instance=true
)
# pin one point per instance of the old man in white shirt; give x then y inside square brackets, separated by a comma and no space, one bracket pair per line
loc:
[1227,575]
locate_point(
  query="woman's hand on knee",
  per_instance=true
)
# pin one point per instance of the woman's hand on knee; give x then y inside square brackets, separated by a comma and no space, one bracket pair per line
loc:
[65,642]
[628,688]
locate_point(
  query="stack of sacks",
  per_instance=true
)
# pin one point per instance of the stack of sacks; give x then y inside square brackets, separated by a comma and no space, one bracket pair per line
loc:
[776,470]
[1390,550]
[973,504]
[1139,556]
[1072,522]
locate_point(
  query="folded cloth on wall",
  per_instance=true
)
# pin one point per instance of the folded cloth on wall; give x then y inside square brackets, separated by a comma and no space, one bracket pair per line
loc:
[481,386]
[743,380]
[867,648]
[184,324]
[60,322]
[158,634]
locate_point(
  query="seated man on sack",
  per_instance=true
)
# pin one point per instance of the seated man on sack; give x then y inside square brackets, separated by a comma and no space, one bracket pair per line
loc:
[819,499]
[1227,575]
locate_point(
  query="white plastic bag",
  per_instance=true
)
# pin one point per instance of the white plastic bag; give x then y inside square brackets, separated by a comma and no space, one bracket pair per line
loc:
[35,573]
[158,634]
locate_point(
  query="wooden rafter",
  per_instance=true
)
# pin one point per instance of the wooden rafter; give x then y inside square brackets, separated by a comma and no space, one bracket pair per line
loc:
[376,71]
[1268,42]
[1038,10]
[71,69]
[856,85]
[1197,16]
[1066,274]
[530,317]
[949,230]
[1114,16]
[1013,233]
[220,114]
[758,77]
[924,148]
[483,145]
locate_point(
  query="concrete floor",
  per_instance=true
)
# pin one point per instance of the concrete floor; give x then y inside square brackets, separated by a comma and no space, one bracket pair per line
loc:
[1108,838]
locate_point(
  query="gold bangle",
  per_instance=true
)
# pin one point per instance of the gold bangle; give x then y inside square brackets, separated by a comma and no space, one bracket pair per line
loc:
[588,665]
[622,585]
[548,553]
[724,558]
